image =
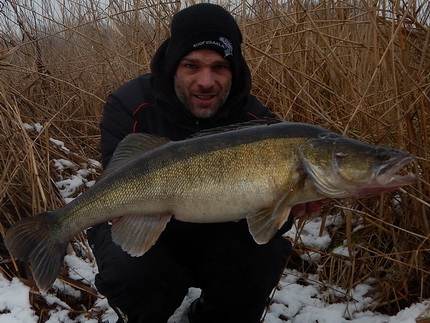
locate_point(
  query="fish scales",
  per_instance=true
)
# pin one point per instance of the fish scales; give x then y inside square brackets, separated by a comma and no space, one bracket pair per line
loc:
[238,153]
[243,178]
[235,176]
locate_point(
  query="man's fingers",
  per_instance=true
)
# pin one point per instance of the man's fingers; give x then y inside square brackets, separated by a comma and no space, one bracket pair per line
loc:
[312,209]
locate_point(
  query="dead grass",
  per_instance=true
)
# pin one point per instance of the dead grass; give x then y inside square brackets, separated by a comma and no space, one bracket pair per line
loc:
[361,68]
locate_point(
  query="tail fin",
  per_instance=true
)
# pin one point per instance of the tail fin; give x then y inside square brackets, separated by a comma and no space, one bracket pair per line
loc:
[33,239]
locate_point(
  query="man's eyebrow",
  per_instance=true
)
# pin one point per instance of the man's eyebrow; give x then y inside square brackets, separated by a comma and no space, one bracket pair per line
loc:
[190,60]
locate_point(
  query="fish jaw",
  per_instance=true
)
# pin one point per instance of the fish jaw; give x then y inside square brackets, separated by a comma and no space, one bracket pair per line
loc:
[387,178]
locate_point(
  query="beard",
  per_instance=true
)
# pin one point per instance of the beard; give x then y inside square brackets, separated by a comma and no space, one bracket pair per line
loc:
[199,109]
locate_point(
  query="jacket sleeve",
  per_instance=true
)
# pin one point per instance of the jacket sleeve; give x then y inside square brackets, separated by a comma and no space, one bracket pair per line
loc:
[117,122]
[256,110]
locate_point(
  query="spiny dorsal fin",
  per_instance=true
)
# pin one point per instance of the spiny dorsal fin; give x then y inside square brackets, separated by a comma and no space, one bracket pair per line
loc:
[136,234]
[236,126]
[131,147]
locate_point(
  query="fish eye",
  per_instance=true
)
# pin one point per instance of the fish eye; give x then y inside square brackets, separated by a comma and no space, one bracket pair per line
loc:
[384,155]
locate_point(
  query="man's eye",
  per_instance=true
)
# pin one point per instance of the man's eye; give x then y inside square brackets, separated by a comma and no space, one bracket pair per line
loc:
[191,66]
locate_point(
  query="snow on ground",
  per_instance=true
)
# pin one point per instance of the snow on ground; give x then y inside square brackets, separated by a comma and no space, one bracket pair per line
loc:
[295,302]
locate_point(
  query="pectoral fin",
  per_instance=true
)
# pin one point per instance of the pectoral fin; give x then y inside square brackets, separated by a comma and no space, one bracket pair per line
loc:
[264,224]
[136,234]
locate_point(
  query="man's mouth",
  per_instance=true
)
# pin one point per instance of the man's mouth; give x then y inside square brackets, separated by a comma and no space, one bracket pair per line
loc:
[204,97]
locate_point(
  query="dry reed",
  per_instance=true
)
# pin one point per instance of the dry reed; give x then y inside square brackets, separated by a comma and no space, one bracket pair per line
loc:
[357,67]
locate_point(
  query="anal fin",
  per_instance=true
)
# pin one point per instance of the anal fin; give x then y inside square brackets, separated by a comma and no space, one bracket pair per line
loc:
[136,234]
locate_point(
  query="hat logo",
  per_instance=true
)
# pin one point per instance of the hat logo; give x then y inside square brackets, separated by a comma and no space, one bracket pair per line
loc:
[228,47]
[223,42]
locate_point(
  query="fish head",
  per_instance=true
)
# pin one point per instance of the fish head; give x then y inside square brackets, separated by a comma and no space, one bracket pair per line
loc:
[340,167]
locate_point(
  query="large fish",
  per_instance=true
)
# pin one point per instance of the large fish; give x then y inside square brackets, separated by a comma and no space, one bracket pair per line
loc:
[257,172]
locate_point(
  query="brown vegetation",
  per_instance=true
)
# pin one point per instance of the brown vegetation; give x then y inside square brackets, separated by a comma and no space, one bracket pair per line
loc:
[357,67]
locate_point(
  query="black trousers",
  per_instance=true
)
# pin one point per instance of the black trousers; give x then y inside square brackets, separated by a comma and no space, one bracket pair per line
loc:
[235,274]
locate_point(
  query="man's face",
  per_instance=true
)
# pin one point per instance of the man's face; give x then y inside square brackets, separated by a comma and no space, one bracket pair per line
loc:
[202,82]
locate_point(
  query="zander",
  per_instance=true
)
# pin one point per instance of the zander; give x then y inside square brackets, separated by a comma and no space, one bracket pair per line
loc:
[256,172]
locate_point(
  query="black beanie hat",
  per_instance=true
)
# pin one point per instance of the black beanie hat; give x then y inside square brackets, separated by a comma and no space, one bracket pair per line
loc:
[202,26]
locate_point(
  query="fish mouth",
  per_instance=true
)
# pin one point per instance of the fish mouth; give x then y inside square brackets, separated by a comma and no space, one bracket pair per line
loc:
[395,173]
[392,175]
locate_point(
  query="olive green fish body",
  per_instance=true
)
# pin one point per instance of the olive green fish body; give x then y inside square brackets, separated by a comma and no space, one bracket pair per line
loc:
[206,179]
[258,172]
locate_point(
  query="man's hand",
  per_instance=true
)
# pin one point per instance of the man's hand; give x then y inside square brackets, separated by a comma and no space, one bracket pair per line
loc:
[312,209]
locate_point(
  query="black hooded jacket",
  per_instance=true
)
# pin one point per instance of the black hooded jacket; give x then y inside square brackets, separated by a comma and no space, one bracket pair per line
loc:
[236,274]
[149,104]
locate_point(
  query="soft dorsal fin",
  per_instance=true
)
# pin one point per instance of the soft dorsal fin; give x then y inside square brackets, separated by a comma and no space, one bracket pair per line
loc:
[131,147]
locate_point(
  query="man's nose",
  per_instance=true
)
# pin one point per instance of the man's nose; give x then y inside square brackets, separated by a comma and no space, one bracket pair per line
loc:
[206,78]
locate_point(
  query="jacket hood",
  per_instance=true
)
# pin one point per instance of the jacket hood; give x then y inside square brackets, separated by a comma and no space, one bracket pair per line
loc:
[169,102]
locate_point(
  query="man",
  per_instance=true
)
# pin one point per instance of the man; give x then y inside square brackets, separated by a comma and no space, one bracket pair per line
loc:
[198,80]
